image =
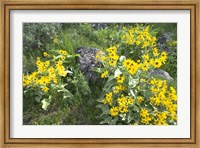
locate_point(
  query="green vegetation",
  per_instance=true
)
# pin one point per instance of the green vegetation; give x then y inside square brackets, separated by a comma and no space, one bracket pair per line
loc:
[57,92]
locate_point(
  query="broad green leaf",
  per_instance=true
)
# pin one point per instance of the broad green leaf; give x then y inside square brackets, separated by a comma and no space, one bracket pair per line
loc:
[122,58]
[110,121]
[117,73]
[106,120]
[38,98]
[67,93]
[73,56]
[104,108]
[130,117]
[96,69]
[68,71]
[136,108]
[111,81]
[45,104]
[132,93]
[123,116]
[114,121]
[132,82]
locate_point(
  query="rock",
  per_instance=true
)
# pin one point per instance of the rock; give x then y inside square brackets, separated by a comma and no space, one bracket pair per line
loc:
[98,26]
[166,37]
[162,42]
[87,62]
[161,73]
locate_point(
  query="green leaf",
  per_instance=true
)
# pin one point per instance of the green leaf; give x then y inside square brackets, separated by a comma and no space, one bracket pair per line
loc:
[66,92]
[136,108]
[132,82]
[114,121]
[73,56]
[68,71]
[104,108]
[111,81]
[96,69]
[132,93]
[130,117]
[110,121]
[106,120]
[38,98]
[45,104]
[117,73]
[123,116]
[122,58]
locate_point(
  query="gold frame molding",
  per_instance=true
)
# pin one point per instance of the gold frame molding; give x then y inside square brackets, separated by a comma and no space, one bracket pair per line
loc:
[7,5]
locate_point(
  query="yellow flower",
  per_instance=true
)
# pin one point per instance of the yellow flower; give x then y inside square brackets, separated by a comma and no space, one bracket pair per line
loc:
[143,80]
[104,101]
[45,54]
[155,51]
[112,55]
[146,120]
[155,101]
[60,69]
[123,109]
[131,66]
[164,54]
[55,40]
[145,56]
[46,64]
[114,111]
[144,113]
[120,79]
[140,99]
[119,88]
[138,88]
[161,118]
[127,63]
[63,52]
[38,62]
[153,81]
[163,57]
[109,98]
[51,70]
[104,74]
[112,63]
[112,49]
[138,42]
[45,89]
[103,58]
[130,101]
[154,90]
[145,66]
[100,56]
[146,44]
[157,63]
[122,101]
[55,80]
[62,58]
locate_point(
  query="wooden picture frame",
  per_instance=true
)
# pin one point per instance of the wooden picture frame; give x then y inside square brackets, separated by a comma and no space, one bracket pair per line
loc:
[7,5]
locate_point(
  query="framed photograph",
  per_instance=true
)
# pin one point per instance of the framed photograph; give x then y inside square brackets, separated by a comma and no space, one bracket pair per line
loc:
[100,73]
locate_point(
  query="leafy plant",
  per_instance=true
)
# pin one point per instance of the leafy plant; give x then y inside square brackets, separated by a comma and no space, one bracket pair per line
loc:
[131,95]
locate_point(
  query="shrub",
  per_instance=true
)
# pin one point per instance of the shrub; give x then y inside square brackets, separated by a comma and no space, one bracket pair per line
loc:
[39,35]
[131,95]
[46,83]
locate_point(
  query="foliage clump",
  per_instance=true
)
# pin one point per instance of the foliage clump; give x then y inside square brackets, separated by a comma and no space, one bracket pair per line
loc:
[131,95]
